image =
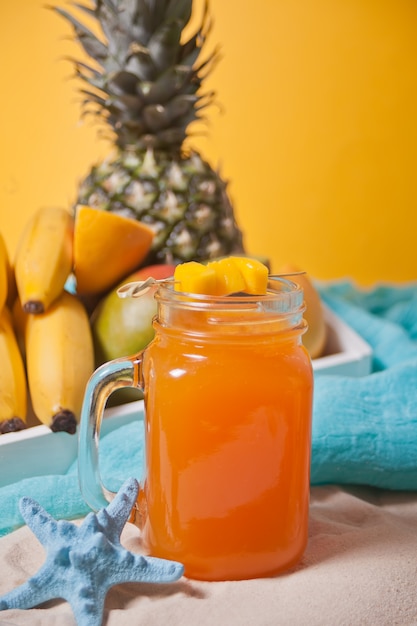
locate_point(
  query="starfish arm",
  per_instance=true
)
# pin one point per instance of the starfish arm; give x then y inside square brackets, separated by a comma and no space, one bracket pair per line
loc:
[33,592]
[35,516]
[41,523]
[137,568]
[83,562]
[88,606]
[114,517]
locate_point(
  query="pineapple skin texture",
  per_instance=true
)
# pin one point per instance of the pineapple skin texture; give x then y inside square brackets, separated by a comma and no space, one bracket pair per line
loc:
[182,199]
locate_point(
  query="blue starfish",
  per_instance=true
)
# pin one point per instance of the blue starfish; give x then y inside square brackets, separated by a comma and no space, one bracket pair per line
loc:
[83,562]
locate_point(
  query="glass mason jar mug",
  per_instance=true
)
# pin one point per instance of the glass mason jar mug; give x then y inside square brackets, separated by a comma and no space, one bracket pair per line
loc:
[228,399]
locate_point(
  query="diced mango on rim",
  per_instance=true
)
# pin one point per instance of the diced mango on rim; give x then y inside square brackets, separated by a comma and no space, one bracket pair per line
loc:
[222,277]
[255,274]
[193,277]
[228,277]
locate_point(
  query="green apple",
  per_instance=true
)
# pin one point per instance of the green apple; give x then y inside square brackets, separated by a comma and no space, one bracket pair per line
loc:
[123,326]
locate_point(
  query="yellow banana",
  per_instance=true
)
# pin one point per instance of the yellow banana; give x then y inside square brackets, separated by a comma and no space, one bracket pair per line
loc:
[5,273]
[59,361]
[10,277]
[13,390]
[44,258]
[19,320]
[11,286]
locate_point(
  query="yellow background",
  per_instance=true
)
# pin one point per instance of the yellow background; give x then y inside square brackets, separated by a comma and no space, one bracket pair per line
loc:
[317,130]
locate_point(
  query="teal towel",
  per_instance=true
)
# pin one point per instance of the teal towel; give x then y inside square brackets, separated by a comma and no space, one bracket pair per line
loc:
[386,318]
[364,429]
[120,451]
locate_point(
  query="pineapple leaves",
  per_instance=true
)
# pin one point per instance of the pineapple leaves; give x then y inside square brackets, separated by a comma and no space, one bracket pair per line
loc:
[124,83]
[155,117]
[143,80]
[117,31]
[82,7]
[180,105]
[147,18]
[132,105]
[89,70]
[180,9]
[120,16]
[108,3]
[168,84]
[180,111]
[89,75]
[171,136]
[93,97]
[139,62]
[89,42]
[164,43]
[191,49]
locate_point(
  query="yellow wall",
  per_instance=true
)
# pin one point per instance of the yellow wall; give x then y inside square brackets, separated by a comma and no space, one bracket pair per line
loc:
[318,133]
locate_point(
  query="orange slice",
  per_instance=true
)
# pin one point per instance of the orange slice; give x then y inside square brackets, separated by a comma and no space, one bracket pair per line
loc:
[107,247]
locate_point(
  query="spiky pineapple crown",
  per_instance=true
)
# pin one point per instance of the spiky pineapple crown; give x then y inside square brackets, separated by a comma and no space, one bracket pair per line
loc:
[146,80]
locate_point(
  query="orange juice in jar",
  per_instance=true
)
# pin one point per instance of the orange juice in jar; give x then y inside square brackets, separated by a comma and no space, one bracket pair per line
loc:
[228,399]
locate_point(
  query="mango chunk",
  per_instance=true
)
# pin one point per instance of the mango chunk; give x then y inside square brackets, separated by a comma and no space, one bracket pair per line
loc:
[255,274]
[228,277]
[193,277]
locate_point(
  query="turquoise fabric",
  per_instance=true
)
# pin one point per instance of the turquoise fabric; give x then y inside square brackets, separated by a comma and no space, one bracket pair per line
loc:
[60,494]
[364,429]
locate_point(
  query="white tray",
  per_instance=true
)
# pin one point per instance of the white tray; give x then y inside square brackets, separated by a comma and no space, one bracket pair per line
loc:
[37,451]
[345,353]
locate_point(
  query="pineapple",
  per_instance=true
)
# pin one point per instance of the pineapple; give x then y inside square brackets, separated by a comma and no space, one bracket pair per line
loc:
[145,82]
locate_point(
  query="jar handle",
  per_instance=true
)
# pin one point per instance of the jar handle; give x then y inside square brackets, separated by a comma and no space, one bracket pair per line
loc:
[115,374]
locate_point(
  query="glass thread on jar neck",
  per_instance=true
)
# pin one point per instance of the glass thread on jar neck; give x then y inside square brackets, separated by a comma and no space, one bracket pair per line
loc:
[279,310]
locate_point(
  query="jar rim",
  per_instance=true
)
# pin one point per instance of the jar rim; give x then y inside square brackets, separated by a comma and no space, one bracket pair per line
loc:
[282,296]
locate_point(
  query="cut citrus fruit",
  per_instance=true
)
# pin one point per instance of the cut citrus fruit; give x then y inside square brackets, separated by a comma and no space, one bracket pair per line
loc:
[107,247]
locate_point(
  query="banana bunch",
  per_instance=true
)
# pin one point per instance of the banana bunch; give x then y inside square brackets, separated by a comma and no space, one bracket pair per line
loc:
[44,258]
[7,284]
[4,261]
[59,361]
[13,391]
[48,331]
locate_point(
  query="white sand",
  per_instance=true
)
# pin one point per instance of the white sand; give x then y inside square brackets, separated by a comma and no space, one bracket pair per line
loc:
[360,569]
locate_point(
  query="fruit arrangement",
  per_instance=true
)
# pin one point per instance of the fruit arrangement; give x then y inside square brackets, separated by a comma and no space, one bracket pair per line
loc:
[63,264]
[61,315]
[149,209]
[155,199]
